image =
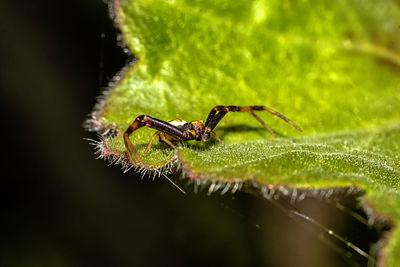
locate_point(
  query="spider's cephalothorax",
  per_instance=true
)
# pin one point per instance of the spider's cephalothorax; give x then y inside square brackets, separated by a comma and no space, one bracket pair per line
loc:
[180,130]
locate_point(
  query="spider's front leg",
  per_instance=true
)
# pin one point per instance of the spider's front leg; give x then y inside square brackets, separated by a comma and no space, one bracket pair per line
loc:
[159,125]
[218,112]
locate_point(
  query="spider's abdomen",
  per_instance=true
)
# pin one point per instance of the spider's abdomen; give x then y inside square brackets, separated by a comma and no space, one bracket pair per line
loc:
[185,127]
[192,130]
[182,125]
[178,123]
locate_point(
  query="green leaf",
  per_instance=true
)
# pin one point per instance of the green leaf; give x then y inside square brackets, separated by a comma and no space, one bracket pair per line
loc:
[330,66]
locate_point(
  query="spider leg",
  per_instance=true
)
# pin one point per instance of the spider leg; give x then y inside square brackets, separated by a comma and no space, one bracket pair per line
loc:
[136,124]
[151,141]
[144,120]
[218,112]
[262,123]
[276,113]
[214,118]
[164,139]
[217,137]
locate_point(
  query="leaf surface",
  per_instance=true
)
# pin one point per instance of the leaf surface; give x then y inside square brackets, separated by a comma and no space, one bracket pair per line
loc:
[333,67]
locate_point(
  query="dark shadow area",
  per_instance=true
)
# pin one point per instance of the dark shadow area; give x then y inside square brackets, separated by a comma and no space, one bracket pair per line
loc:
[246,128]
[61,207]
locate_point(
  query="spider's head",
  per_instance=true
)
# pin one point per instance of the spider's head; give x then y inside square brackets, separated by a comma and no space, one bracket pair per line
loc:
[198,128]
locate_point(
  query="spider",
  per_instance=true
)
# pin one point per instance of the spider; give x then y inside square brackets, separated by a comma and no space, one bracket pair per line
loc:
[180,130]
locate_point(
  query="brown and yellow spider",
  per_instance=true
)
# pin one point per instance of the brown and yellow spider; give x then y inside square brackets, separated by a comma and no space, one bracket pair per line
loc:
[180,130]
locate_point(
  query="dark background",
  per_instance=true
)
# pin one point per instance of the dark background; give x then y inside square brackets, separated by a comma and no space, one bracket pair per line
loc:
[61,207]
